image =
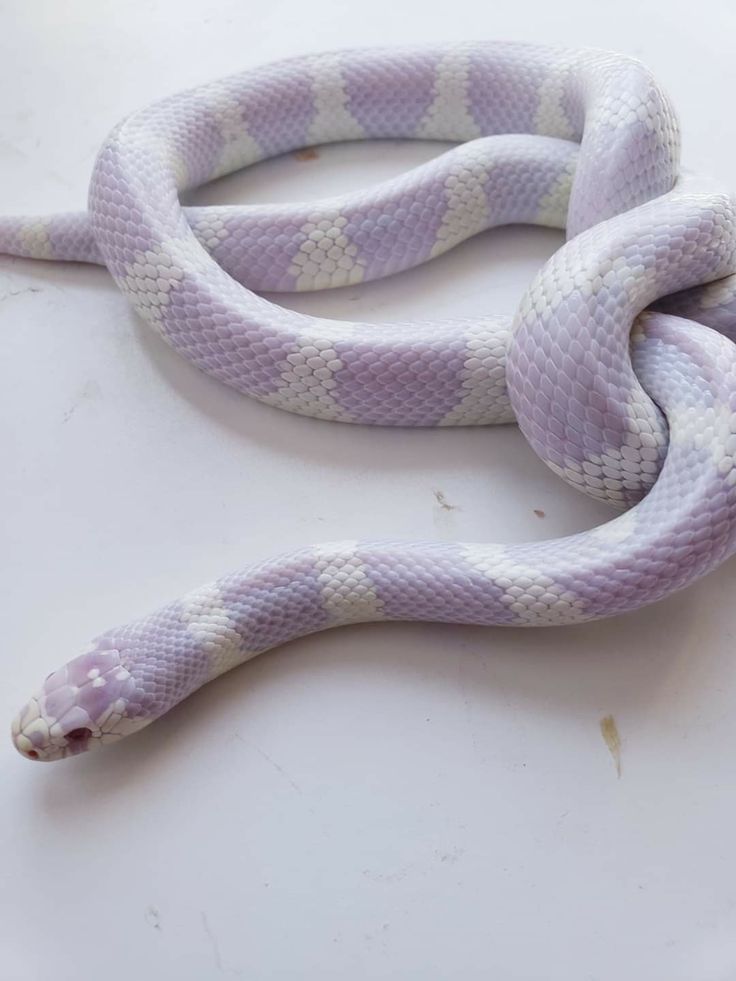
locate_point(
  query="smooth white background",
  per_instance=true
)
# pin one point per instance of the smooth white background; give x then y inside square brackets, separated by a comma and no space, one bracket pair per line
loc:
[394,801]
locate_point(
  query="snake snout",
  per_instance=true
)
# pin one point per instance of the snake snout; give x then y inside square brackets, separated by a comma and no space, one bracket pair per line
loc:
[26,736]
[39,735]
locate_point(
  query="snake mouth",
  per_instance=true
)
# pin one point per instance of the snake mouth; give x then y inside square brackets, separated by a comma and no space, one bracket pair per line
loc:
[30,732]
[24,746]
[36,739]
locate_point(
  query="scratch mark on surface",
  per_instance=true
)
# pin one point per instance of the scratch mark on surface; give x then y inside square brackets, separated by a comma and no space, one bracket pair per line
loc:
[153,917]
[9,145]
[443,502]
[59,178]
[213,941]
[308,153]
[388,877]
[612,739]
[469,714]
[380,936]
[90,390]
[25,289]
[451,857]
[279,769]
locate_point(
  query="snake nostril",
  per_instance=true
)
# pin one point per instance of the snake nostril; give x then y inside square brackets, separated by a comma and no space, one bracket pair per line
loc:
[77,735]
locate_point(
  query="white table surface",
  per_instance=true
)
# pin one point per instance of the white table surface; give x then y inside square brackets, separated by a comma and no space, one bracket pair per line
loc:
[395,801]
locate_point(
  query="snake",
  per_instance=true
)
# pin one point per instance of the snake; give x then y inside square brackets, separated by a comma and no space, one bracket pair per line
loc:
[619,364]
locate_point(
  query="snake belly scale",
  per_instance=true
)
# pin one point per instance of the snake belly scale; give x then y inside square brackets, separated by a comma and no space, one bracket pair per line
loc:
[614,386]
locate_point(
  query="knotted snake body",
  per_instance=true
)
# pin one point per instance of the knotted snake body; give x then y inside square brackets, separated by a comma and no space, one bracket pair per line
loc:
[585,140]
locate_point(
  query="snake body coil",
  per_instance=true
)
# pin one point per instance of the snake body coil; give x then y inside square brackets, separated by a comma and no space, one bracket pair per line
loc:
[582,139]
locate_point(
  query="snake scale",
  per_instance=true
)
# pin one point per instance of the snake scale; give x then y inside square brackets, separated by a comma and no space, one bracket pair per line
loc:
[619,365]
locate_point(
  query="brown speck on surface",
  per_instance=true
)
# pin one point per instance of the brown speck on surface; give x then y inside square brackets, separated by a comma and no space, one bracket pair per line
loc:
[443,502]
[540,513]
[308,153]
[612,739]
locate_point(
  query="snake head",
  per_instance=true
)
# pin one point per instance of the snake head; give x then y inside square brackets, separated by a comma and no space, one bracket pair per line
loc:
[91,701]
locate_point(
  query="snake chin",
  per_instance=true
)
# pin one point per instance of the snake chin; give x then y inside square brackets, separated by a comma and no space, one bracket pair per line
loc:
[88,703]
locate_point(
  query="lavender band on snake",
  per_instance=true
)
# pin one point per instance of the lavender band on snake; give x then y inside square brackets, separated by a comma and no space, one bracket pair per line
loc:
[589,128]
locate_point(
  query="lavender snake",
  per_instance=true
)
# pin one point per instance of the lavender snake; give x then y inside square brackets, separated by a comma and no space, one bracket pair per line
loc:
[581,139]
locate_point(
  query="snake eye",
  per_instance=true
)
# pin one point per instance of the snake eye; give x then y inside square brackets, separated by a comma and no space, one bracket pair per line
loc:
[32,754]
[77,735]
